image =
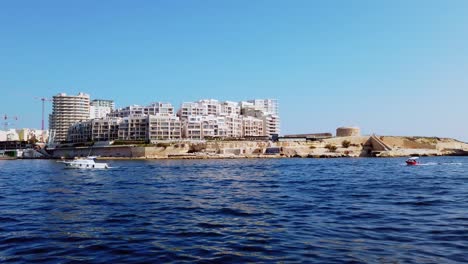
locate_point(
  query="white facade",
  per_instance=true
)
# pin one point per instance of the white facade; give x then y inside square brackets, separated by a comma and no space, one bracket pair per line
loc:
[9,135]
[266,110]
[100,108]
[267,106]
[164,128]
[252,127]
[67,110]
[157,109]
[134,128]
[27,134]
[203,107]
[203,119]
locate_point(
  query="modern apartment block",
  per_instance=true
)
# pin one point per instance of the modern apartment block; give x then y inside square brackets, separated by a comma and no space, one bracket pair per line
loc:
[100,108]
[158,109]
[164,128]
[143,123]
[134,128]
[252,127]
[267,106]
[203,119]
[66,111]
[265,109]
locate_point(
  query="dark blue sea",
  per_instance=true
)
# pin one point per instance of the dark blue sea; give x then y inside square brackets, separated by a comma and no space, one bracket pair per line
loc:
[235,211]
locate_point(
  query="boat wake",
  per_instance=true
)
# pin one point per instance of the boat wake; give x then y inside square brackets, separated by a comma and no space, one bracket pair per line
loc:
[437,163]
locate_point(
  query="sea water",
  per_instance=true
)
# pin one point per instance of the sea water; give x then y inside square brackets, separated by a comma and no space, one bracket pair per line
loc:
[363,210]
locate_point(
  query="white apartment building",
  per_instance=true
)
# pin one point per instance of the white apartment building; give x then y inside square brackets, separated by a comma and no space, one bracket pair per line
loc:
[252,127]
[265,109]
[9,135]
[198,120]
[233,126]
[157,108]
[267,106]
[67,110]
[203,107]
[100,108]
[134,128]
[28,134]
[164,128]
[80,132]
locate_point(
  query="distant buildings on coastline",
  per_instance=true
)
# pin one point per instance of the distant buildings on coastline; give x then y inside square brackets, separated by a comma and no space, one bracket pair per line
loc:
[25,134]
[77,119]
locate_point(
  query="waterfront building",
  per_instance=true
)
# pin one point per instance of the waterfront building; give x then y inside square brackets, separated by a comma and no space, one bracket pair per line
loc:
[203,119]
[105,129]
[267,106]
[80,132]
[157,108]
[203,107]
[164,128]
[201,127]
[228,108]
[252,127]
[271,122]
[67,110]
[134,127]
[100,108]
[233,126]
[33,135]
[9,135]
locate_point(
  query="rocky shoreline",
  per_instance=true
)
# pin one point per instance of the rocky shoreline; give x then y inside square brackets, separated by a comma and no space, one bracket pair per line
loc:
[337,147]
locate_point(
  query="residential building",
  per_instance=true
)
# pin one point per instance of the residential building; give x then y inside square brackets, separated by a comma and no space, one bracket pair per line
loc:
[164,128]
[105,129]
[67,110]
[252,127]
[100,108]
[36,135]
[80,132]
[267,106]
[134,128]
[203,107]
[9,135]
[203,119]
[265,109]
[158,109]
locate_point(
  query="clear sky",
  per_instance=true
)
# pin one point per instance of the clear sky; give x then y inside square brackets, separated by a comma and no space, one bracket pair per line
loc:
[390,67]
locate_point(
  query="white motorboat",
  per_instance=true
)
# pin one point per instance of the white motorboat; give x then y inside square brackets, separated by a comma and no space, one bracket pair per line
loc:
[85,163]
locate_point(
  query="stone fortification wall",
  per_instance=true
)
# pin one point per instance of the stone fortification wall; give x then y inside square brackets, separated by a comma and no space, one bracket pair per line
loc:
[360,146]
[120,151]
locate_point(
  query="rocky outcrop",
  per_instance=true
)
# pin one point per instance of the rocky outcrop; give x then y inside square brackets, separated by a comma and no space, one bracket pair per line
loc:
[360,146]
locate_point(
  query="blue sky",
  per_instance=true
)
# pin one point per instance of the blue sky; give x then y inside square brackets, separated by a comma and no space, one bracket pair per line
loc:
[390,67]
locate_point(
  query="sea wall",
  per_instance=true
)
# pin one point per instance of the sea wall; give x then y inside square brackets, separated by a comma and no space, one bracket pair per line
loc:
[359,146]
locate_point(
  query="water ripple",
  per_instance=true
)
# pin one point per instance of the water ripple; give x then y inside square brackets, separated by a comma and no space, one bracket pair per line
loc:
[236,211]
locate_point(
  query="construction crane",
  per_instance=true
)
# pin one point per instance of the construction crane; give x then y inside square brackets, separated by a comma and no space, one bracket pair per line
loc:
[43,99]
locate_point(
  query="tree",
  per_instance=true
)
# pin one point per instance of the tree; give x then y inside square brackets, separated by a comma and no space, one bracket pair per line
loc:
[346,143]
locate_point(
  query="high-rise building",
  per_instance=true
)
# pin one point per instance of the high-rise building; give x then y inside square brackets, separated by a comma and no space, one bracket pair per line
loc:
[100,108]
[67,110]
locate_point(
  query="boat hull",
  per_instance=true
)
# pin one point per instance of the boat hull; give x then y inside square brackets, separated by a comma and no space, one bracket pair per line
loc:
[86,166]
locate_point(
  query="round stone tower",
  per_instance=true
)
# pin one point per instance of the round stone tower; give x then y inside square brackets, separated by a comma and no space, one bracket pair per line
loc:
[348,132]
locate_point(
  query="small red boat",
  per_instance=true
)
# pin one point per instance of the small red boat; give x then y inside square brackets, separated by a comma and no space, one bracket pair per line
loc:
[412,161]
